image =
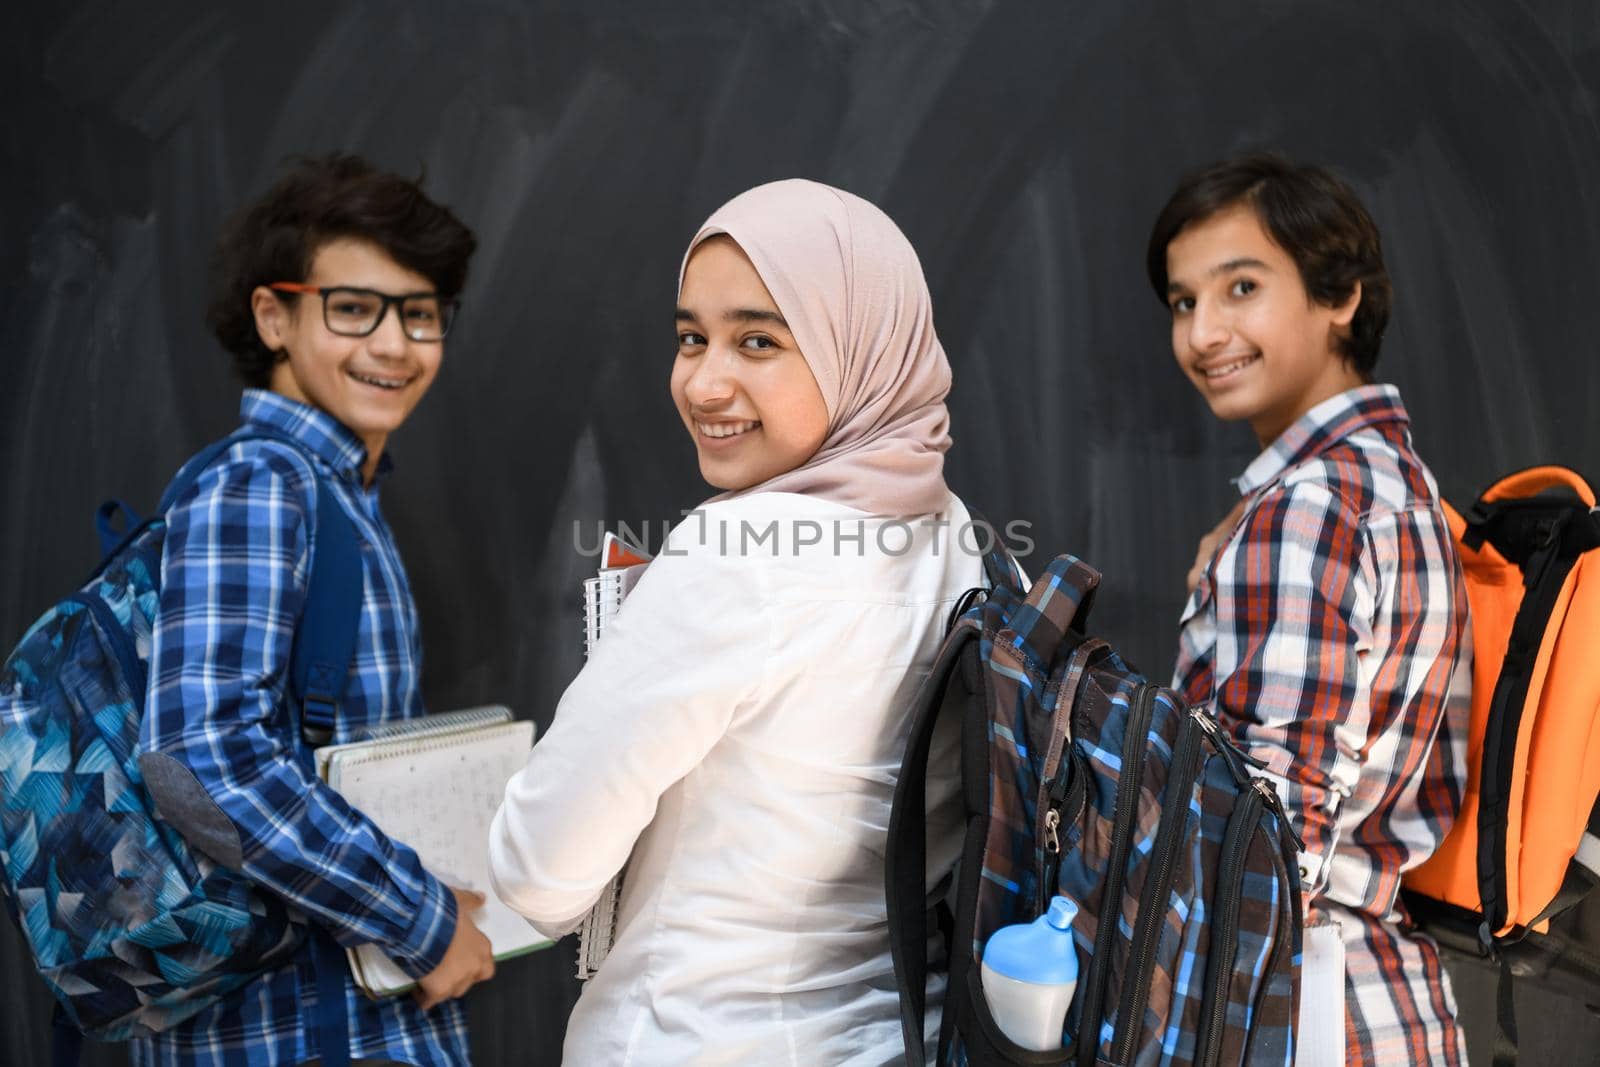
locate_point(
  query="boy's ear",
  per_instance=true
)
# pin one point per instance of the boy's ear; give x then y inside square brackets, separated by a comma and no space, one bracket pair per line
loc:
[1345,313]
[272,318]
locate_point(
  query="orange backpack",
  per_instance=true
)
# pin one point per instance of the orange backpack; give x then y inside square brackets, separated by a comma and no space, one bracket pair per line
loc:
[1525,848]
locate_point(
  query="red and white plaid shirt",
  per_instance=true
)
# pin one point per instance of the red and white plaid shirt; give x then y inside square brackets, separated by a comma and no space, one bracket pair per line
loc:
[1325,634]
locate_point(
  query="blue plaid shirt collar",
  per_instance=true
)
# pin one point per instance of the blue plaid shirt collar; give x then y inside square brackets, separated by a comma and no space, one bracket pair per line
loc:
[1330,422]
[325,436]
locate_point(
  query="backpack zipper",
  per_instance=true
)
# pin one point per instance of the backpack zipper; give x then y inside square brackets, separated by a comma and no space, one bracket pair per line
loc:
[1052,792]
[1275,802]
[1223,742]
[1067,795]
[1127,803]
[1290,909]
[1231,756]
[1158,887]
[1225,934]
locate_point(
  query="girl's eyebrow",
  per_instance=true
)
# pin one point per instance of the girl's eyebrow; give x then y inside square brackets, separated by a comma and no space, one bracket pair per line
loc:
[735,315]
[754,315]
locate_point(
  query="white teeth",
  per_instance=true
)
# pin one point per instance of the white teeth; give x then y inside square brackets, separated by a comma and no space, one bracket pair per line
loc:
[1228,368]
[725,429]
[381,383]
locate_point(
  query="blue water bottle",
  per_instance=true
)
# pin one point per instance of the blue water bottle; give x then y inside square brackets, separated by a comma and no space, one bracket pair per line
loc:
[1029,973]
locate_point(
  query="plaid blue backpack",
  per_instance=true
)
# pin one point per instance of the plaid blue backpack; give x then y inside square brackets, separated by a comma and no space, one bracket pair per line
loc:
[133,925]
[1082,778]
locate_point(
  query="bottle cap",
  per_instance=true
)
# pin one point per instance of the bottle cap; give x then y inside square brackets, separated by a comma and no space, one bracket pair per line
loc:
[1041,952]
[1062,911]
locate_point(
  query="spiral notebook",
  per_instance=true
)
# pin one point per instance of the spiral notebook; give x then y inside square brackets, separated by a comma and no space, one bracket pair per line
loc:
[435,783]
[621,564]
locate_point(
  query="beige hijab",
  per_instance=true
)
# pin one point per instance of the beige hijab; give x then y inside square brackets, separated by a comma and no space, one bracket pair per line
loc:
[851,289]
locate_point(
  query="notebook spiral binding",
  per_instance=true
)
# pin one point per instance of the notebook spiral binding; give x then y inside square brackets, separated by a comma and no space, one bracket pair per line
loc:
[602,596]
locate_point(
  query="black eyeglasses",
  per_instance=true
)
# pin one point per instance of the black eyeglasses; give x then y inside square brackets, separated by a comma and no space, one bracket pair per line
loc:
[351,312]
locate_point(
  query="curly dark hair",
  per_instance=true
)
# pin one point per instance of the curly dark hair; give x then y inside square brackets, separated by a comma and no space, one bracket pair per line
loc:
[1313,216]
[319,199]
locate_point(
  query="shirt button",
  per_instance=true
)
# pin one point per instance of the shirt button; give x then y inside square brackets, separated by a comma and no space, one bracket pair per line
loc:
[1304,874]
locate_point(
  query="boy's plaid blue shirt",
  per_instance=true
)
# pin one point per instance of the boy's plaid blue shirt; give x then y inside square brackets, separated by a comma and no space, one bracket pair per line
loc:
[234,577]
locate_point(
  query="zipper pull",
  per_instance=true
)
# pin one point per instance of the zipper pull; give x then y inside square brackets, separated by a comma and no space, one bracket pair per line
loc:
[1050,875]
[1255,761]
[1275,802]
[1052,836]
[1223,744]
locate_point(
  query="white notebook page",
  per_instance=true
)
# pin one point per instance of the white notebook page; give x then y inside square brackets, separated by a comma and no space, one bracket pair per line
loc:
[439,795]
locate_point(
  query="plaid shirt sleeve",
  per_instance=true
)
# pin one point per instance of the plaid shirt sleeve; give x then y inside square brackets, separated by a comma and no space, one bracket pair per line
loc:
[234,578]
[1295,596]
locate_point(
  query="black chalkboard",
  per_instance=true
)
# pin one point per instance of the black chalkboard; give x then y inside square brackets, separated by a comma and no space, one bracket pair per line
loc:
[1023,147]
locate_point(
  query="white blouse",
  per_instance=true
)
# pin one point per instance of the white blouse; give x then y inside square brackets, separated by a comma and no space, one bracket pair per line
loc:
[739,731]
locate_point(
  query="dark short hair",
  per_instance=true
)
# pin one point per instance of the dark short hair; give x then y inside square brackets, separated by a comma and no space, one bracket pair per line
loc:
[317,200]
[1311,215]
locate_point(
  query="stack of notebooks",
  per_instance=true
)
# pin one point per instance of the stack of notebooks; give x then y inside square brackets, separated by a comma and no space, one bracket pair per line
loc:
[621,564]
[435,783]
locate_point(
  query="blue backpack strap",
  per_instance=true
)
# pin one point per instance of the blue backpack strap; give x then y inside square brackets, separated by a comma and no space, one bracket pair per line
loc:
[325,639]
[333,1016]
[324,645]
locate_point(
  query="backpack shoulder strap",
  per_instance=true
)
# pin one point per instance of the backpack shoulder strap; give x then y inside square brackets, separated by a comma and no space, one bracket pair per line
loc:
[1545,542]
[325,640]
[906,852]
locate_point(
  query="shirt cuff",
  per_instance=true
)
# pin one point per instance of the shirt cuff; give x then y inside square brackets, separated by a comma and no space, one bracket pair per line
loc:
[424,944]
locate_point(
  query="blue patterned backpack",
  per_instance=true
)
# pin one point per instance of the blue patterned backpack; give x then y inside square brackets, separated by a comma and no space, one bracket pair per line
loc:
[1082,778]
[132,926]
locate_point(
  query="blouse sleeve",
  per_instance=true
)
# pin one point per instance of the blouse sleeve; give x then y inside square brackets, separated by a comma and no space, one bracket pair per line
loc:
[686,651]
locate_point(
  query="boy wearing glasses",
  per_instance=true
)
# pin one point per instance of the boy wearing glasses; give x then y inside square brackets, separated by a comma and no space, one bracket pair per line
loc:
[334,293]
[1326,613]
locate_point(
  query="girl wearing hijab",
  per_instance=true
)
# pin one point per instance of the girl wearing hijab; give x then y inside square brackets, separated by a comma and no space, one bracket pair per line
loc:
[739,729]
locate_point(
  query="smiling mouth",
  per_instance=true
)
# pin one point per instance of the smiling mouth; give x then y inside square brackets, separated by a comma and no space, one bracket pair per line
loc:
[1223,371]
[391,384]
[720,431]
